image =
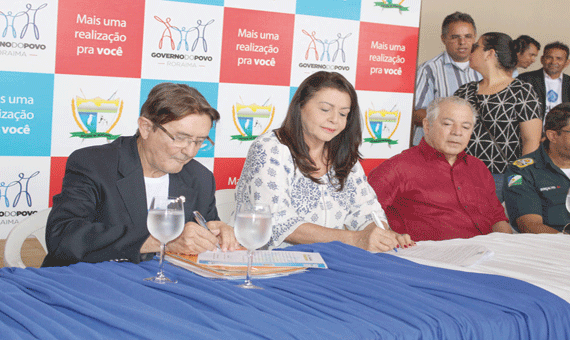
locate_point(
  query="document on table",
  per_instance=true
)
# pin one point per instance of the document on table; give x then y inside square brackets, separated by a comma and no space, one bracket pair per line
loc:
[263,258]
[229,272]
[460,255]
[233,265]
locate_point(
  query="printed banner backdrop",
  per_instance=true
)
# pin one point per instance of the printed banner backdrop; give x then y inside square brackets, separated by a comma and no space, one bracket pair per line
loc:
[74,74]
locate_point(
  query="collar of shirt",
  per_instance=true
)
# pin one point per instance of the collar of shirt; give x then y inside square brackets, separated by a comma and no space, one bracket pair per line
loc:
[544,160]
[547,77]
[447,60]
[431,153]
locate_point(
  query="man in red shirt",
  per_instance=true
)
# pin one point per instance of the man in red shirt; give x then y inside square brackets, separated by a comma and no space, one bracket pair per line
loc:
[435,191]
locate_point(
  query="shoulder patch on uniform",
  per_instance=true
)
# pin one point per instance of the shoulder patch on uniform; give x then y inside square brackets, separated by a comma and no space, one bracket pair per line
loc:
[521,163]
[514,180]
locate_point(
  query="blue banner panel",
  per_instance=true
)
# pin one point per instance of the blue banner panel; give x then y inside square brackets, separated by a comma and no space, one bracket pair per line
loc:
[341,9]
[26,102]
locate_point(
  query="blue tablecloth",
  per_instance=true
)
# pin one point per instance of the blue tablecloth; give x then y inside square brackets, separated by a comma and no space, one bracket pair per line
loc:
[360,296]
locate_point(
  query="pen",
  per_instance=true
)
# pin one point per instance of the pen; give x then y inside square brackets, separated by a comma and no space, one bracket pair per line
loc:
[379,224]
[202,221]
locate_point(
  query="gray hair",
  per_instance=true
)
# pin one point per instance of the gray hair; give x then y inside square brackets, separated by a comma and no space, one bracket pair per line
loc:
[435,105]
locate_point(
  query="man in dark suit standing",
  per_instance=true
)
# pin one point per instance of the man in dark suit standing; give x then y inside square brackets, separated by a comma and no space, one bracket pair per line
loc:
[101,212]
[551,85]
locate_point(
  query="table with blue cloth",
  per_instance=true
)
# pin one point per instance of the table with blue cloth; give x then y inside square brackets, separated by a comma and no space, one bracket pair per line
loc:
[361,296]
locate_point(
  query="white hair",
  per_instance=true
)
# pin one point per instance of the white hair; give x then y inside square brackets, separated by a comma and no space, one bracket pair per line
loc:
[435,105]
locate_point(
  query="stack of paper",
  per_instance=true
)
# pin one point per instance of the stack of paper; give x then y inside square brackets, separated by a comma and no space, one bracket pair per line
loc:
[460,255]
[233,265]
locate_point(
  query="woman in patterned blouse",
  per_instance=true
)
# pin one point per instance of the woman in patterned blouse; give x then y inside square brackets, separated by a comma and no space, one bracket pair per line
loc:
[308,171]
[509,123]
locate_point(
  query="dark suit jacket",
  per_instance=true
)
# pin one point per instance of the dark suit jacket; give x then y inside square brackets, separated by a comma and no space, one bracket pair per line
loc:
[101,212]
[536,79]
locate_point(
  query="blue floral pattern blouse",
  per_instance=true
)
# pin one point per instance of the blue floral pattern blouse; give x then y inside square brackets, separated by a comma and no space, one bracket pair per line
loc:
[270,176]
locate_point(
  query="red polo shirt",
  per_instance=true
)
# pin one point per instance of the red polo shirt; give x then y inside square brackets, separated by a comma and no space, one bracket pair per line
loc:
[427,198]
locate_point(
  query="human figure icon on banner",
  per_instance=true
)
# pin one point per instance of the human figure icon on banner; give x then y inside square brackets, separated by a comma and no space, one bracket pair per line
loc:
[201,29]
[10,22]
[312,45]
[183,36]
[326,46]
[5,194]
[32,22]
[340,47]
[22,190]
[167,33]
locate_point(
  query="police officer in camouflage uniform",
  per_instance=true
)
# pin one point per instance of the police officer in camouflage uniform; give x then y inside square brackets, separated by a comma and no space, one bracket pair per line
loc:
[537,184]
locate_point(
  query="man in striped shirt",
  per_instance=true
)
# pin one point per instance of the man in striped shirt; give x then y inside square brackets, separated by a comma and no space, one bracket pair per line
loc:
[444,74]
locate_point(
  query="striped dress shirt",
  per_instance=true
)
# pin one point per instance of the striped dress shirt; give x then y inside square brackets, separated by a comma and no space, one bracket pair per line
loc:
[439,77]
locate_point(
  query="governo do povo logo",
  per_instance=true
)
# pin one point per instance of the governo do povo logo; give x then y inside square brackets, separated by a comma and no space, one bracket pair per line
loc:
[177,37]
[16,190]
[96,117]
[381,125]
[388,4]
[252,120]
[20,21]
[326,48]
[15,197]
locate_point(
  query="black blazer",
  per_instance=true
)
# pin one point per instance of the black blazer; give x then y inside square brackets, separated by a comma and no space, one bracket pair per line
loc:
[536,79]
[101,212]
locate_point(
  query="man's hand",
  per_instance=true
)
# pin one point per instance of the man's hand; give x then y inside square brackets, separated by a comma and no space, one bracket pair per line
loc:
[502,227]
[225,235]
[196,239]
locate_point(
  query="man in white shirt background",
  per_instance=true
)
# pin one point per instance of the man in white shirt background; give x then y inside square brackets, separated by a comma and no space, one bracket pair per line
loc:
[551,85]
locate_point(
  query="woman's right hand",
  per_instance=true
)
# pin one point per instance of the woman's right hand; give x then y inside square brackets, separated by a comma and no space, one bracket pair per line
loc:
[375,239]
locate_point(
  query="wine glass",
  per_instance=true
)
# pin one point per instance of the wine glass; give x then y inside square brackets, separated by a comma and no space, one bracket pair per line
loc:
[165,222]
[253,230]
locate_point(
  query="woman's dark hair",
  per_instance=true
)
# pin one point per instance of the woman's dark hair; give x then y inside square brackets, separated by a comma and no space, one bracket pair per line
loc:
[523,43]
[504,47]
[342,151]
[167,102]
[557,118]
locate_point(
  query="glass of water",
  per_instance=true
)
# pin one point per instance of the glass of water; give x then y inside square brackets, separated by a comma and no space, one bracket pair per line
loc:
[165,222]
[253,230]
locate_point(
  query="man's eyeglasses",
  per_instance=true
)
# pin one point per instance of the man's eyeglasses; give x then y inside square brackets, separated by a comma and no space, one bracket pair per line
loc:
[564,131]
[183,142]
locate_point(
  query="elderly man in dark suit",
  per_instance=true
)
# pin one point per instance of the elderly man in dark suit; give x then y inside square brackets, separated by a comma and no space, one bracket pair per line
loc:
[550,84]
[101,212]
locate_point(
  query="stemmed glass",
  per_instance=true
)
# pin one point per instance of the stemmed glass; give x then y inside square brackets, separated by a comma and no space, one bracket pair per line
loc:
[253,230]
[165,222]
